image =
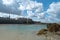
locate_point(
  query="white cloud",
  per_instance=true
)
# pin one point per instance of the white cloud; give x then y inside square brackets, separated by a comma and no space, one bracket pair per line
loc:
[41,15]
[28,7]
[54,12]
[31,6]
[34,5]
[7,2]
[30,14]
[3,14]
[21,7]
[39,7]
[7,15]
[54,8]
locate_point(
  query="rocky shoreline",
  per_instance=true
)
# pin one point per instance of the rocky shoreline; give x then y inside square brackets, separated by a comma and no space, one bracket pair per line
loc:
[51,33]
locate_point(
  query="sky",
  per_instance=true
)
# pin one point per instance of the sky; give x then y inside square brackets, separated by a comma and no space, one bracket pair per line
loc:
[38,10]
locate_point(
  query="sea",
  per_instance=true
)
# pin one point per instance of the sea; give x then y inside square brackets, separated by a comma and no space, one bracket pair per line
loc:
[21,31]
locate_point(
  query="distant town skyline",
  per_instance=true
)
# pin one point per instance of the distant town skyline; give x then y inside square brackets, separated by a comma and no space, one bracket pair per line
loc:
[37,10]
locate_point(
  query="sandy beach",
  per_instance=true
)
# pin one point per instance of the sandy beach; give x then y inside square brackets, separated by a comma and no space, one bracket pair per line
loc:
[14,35]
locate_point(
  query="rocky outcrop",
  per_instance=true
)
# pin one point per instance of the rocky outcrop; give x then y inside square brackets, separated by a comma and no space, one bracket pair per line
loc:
[43,31]
[53,27]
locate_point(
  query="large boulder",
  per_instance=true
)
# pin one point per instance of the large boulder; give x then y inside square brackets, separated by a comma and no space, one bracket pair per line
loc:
[53,27]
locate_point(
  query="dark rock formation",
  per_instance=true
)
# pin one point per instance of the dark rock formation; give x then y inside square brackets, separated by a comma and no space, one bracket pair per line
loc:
[43,31]
[50,28]
[53,27]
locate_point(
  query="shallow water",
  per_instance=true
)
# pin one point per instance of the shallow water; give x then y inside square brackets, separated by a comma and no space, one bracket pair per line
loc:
[20,32]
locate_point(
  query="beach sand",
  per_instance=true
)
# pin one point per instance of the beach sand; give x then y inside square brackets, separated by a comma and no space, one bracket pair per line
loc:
[14,35]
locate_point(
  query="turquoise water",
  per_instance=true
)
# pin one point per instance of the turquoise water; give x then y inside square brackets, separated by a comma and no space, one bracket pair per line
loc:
[22,27]
[20,32]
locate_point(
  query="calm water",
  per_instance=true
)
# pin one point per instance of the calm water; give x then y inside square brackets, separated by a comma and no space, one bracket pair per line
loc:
[20,32]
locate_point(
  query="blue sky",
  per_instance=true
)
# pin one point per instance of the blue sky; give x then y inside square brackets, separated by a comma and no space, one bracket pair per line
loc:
[37,10]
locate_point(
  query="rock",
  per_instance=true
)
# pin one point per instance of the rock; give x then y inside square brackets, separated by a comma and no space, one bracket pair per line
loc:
[53,27]
[43,31]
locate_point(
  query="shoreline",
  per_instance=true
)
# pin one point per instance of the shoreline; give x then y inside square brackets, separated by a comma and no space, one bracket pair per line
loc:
[22,24]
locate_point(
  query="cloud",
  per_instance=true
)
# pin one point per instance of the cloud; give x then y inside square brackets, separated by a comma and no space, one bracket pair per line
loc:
[18,7]
[3,15]
[7,2]
[10,7]
[52,15]
[22,7]
[54,12]
[41,15]
[31,14]
[7,15]
[34,9]
[31,6]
